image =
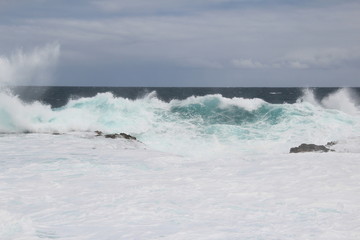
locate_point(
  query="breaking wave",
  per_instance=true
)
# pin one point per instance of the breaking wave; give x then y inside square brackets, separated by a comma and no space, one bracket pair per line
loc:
[193,124]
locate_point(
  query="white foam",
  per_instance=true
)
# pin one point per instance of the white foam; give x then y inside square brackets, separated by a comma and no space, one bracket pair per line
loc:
[15,225]
[247,104]
[343,100]
[308,96]
[219,101]
[77,186]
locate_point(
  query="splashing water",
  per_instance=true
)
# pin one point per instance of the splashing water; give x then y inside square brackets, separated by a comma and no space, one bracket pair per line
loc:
[195,123]
[29,68]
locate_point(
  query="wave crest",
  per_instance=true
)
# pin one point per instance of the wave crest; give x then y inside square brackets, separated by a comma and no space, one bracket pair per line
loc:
[344,99]
[179,126]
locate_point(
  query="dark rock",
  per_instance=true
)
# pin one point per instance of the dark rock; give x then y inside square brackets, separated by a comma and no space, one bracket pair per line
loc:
[98,133]
[113,136]
[330,144]
[309,148]
[119,135]
[116,135]
[127,136]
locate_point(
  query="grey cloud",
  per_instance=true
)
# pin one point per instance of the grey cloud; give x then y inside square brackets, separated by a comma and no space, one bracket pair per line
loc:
[183,6]
[158,6]
[247,63]
[214,35]
[305,59]
[226,41]
[321,58]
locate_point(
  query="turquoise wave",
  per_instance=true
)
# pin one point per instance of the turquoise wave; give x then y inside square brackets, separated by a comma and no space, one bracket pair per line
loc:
[183,124]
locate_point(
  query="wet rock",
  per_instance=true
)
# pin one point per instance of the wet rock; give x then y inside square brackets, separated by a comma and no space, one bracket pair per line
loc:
[99,133]
[309,148]
[113,135]
[330,144]
[127,136]
[116,135]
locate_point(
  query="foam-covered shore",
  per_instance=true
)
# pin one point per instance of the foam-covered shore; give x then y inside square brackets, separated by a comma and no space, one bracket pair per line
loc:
[77,186]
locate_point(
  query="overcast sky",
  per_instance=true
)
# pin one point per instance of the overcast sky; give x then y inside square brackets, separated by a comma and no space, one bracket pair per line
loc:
[229,43]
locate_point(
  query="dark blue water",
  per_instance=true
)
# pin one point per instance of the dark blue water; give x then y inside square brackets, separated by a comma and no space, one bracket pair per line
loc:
[59,96]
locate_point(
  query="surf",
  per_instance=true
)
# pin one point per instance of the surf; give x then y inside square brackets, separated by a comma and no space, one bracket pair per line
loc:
[197,122]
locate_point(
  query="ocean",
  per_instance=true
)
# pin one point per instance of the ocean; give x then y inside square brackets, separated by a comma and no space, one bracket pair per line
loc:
[208,163]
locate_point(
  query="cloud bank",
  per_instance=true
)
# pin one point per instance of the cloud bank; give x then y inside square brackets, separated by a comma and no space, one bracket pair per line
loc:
[193,43]
[305,59]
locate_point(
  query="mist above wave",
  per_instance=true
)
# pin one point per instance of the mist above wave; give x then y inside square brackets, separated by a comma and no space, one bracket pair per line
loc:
[344,99]
[34,67]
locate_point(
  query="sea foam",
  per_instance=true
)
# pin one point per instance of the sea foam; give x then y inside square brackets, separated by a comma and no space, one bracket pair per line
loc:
[223,172]
[179,126]
[87,188]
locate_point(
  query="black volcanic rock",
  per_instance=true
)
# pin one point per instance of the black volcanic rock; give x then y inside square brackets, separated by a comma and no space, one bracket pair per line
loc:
[113,135]
[330,144]
[127,136]
[116,135]
[309,148]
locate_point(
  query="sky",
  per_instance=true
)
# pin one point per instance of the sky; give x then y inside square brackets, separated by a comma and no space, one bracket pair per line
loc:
[180,43]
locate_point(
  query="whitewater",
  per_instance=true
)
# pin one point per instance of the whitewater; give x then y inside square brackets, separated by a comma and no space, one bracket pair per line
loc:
[203,167]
